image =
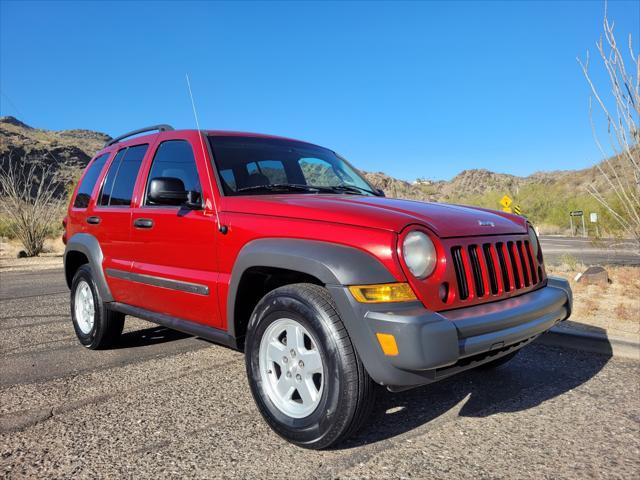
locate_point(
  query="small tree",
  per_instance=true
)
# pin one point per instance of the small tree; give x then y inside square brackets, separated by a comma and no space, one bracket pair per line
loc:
[620,104]
[30,196]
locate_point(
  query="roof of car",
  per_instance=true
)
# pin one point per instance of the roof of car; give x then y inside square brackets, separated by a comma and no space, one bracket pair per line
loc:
[135,136]
[228,133]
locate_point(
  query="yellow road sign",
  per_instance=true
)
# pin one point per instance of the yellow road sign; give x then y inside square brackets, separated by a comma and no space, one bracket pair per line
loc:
[507,209]
[517,210]
[506,202]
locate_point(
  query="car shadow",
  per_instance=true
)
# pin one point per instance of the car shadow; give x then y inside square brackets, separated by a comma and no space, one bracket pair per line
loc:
[149,336]
[538,373]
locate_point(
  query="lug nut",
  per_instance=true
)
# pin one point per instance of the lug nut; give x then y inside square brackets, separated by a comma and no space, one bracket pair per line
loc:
[301,364]
[288,374]
[285,359]
[293,353]
[298,377]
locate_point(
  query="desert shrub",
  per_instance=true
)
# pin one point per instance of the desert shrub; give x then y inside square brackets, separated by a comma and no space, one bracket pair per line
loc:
[618,100]
[30,202]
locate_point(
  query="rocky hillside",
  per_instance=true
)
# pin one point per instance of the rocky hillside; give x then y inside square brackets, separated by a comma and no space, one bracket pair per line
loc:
[19,140]
[480,182]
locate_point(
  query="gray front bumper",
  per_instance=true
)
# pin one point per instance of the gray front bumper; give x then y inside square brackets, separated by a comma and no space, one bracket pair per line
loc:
[434,345]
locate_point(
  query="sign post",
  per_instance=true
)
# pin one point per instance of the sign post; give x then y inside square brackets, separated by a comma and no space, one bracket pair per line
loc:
[593,217]
[577,213]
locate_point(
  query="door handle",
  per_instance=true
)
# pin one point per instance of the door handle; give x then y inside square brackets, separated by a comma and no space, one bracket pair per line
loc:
[93,220]
[143,223]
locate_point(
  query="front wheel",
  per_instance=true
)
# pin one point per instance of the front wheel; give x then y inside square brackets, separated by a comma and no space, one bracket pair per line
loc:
[304,373]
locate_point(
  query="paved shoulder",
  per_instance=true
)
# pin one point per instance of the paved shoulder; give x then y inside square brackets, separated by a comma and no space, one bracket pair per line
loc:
[24,284]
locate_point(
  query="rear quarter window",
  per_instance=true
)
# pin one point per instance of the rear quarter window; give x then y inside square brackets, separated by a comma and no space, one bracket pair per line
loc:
[89,182]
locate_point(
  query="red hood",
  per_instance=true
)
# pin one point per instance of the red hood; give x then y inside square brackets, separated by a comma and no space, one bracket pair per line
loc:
[383,213]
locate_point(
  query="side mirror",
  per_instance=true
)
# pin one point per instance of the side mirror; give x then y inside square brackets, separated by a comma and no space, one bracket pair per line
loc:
[380,192]
[171,191]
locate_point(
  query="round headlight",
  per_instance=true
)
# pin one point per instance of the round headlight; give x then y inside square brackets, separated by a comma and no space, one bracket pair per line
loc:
[533,240]
[419,254]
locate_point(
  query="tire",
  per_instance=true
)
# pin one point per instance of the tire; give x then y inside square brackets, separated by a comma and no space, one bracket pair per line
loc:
[499,362]
[342,397]
[100,328]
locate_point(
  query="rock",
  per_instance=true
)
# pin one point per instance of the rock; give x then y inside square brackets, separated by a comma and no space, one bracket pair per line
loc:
[594,276]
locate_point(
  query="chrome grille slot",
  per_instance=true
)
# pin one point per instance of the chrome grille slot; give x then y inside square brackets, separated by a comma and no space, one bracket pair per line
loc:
[525,266]
[514,265]
[503,266]
[461,275]
[475,269]
[488,258]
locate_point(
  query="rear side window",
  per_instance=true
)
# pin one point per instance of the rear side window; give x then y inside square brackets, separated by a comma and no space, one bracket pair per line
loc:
[89,181]
[174,159]
[121,178]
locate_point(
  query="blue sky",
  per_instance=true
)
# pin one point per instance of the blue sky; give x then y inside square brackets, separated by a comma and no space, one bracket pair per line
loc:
[411,89]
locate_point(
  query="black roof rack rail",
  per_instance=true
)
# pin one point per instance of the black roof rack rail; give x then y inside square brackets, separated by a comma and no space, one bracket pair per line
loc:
[160,128]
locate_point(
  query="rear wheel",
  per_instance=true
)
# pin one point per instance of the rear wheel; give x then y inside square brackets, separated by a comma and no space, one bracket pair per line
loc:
[304,372]
[95,325]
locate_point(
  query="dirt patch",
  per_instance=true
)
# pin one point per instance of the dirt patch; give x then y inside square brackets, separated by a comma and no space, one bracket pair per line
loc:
[50,258]
[614,307]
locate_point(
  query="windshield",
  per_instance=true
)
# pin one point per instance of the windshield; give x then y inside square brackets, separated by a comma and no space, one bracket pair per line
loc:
[255,165]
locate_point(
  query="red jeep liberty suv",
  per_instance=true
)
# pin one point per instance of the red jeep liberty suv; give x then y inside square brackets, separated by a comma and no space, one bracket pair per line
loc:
[281,249]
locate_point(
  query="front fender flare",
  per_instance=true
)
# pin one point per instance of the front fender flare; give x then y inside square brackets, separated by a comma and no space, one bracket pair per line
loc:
[330,263]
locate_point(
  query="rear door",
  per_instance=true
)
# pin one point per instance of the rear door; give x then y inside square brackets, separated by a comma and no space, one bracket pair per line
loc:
[175,248]
[110,218]
[82,206]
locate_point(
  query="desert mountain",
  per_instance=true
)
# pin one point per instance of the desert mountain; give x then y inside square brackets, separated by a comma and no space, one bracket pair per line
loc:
[18,139]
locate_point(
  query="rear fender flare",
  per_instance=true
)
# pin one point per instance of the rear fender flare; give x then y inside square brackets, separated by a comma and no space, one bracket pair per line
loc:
[90,247]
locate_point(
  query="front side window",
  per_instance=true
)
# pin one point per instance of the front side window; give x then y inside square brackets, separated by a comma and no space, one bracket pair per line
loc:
[175,159]
[89,181]
[117,190]
[257,165]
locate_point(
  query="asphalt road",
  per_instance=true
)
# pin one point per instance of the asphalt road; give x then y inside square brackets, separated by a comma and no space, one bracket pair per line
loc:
[589,251]
[166,405]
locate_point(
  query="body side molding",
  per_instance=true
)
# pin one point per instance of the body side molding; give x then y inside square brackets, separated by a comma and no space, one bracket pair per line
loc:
[156,281]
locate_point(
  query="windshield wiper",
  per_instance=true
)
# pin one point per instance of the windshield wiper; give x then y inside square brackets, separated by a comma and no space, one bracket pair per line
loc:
[350,189]
[280,187]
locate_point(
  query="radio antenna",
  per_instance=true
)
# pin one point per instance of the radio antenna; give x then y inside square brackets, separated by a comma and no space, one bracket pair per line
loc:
[204,155]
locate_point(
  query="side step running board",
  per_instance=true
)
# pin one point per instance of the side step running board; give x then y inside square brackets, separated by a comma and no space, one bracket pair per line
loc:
[186,326]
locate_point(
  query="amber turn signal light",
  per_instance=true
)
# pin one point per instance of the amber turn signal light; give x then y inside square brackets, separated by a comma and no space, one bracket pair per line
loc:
[385,292]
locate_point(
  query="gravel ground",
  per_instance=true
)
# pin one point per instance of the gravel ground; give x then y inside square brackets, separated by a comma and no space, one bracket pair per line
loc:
[166,405]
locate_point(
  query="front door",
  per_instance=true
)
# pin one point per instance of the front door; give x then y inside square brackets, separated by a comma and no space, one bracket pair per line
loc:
[174,267]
